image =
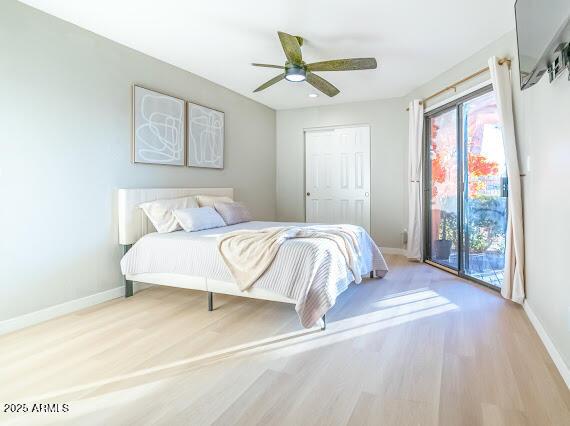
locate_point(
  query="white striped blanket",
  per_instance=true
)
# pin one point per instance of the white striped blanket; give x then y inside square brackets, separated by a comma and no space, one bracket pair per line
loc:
[249,253]
[311,271]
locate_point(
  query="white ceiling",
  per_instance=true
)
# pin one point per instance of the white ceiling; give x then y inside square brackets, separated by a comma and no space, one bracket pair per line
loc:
[413,40]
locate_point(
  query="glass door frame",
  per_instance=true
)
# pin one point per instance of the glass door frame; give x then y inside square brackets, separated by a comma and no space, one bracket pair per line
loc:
[462,237]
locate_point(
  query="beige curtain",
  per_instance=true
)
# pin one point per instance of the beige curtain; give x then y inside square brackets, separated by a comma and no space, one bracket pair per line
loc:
[416,124]
[513,286]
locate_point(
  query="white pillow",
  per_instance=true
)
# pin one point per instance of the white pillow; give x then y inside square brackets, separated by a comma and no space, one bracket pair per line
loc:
[197,219]
[209,200]
[160,214]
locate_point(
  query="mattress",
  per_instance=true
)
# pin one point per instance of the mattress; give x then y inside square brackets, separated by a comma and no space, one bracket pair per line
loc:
[313,272]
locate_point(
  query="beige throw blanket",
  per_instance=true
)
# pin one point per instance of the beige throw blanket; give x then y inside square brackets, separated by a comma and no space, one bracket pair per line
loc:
[249,253]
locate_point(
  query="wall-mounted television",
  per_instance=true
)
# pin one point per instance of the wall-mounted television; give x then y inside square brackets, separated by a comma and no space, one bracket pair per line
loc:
[542,27]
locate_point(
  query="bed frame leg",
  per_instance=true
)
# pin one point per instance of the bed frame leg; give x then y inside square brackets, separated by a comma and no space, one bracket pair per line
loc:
[128,288]
[210,301]
[371,274]
[324,326]
[128,283]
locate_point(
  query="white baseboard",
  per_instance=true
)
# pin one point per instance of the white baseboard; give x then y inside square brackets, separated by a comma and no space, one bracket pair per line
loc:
[393,250]
[552,351]
[36,317]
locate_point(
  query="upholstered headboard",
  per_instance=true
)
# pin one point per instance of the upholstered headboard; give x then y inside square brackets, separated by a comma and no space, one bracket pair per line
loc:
[133,223]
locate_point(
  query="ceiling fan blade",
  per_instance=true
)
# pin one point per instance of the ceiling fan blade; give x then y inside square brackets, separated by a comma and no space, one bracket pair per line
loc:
[269,66]
[344,65]
[322,85]
[291,48]
[271,82]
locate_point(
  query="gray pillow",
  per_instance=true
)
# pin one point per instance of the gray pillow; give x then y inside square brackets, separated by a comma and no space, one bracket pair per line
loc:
[233,213]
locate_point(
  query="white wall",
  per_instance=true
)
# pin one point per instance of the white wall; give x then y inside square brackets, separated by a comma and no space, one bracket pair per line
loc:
[544,127]
[65,102]
[542,115]
[388,146]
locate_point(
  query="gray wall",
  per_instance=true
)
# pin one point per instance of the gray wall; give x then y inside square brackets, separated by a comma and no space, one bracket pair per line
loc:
[388,149]
[65,147]
[542,115]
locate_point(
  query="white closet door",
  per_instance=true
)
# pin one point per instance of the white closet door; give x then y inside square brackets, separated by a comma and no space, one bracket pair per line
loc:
[337,176]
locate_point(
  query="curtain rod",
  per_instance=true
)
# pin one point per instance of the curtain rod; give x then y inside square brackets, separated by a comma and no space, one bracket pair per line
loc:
[463,80]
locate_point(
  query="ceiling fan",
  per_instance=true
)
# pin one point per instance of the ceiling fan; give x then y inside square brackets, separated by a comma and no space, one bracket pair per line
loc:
[295,69]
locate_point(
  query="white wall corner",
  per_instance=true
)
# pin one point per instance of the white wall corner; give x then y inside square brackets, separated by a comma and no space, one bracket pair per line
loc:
[552,351]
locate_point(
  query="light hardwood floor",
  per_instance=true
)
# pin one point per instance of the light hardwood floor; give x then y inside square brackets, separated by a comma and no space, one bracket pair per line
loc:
[419,347]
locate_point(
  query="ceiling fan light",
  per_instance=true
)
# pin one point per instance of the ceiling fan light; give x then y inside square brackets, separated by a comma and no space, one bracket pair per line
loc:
[295,77]
[295,74]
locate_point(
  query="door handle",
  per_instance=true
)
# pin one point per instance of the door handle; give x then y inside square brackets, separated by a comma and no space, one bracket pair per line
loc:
[308,194]
[366,194]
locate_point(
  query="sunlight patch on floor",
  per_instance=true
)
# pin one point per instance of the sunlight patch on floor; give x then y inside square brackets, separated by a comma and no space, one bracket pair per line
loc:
[417,296]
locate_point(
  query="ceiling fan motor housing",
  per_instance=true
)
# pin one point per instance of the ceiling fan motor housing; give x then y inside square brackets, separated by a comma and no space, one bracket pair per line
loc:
[295,73]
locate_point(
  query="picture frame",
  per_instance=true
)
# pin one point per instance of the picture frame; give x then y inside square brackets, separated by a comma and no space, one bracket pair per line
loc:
[158,128]
[206,136]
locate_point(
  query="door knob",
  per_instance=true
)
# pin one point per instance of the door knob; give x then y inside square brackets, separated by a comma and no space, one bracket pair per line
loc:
[366,194]
[308,194]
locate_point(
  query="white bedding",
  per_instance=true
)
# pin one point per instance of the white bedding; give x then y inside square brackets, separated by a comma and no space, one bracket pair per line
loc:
[313,272]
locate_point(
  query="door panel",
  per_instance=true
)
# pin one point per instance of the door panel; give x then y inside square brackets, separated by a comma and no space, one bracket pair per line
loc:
[344,170]
[329,166]
[359,170]
[315,164]
[344,212]
[485,197]
[443,180]
[313,208]
[319,169]
[338,176]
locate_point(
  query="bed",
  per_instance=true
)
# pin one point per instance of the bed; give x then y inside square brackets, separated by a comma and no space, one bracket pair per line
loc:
[308,273]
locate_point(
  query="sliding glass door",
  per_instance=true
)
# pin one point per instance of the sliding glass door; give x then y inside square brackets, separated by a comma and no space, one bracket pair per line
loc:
[466,188]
